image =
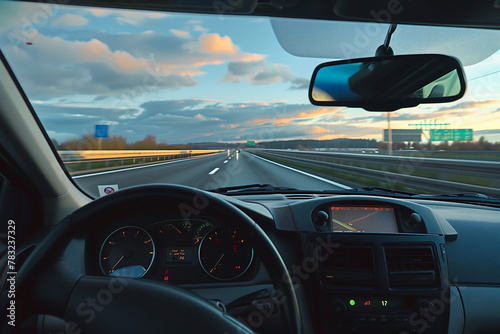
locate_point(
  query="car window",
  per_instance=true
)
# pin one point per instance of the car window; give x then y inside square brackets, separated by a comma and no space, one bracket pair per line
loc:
[119,91]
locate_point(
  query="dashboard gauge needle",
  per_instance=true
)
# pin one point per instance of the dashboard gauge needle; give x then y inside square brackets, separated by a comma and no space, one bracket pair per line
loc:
[113,269]
[217,262]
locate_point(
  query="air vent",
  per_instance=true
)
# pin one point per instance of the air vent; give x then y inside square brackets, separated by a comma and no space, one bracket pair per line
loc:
[300,196]
[349,266]
[411,267]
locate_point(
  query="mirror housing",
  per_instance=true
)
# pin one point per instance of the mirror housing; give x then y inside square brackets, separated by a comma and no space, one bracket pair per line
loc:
[388,83]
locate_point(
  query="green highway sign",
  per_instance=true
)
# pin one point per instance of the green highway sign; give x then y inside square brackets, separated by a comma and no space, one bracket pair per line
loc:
[441,134]
[462,134]
[451,134]
[250,143]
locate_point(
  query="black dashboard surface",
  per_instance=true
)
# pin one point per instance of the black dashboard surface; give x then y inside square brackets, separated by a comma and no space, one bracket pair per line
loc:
[460,243]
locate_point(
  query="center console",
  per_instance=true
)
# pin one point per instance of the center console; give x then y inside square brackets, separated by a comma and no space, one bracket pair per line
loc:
[376,267]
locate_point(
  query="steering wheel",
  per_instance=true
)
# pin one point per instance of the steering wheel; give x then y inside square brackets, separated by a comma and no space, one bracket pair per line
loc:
[46,286]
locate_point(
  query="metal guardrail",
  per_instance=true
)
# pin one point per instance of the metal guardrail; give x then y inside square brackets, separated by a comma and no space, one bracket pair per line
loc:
[82,161]
[401,170]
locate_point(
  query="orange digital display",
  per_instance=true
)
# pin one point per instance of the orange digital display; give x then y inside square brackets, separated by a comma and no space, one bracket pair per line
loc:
[178,255]
[363,218]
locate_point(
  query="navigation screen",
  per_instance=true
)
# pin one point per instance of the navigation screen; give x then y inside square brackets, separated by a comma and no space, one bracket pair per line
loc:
[354,218]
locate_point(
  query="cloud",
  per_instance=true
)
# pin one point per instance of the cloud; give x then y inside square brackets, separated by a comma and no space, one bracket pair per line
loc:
[180,121]
[199,28]
[203,118]
[94,69]
[136,18]
[236,119]
[470,104]
[70,20]
[229,126]
[275,73]
[99,12]
[487,132]
[249,57]
[259,72]
[180,33]
[311,114]
[61,136]
[299,83]
[214,43]
[242,68]
[172,52]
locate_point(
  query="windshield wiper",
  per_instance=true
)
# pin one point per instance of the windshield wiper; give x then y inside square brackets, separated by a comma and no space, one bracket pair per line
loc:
[380,191]
[384,190]
[251,188]
[472,197]
[461,195]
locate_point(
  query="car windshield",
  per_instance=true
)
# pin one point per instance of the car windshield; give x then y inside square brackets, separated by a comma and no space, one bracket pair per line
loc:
[212,101]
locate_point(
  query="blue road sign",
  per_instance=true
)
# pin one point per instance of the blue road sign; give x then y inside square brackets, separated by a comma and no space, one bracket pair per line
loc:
[101,131]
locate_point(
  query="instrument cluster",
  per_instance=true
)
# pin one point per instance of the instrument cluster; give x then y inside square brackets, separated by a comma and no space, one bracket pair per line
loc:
[177,250]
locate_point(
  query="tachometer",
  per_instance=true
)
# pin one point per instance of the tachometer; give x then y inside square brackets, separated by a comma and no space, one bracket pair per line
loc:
[201,231]
[127,252]
[224,254]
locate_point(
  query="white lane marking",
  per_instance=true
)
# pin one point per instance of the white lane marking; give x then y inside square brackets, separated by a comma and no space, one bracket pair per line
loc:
[213,171]
[342,186]
[137,167]
[225,161]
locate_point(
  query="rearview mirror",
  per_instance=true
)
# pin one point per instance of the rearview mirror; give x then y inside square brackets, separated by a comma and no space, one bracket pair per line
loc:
[388,83]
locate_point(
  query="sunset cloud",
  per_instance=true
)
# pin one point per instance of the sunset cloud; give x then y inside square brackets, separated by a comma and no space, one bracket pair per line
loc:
[99,12]
[214,43]
[229,126]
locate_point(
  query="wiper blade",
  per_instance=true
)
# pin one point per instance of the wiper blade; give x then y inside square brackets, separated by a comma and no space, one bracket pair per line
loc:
[250,188]
[385,191]
[461,195]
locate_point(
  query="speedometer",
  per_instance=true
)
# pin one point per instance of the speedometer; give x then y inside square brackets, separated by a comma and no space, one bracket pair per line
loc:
[127,252]
[224,254]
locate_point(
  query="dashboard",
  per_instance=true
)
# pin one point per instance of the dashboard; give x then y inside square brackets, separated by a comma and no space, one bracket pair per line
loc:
[359,263]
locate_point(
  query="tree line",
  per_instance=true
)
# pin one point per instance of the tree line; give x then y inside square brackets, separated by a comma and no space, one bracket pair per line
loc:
[115,142]
[118,142]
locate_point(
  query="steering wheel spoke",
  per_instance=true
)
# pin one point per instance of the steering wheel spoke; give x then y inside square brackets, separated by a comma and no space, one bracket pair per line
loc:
[125,305]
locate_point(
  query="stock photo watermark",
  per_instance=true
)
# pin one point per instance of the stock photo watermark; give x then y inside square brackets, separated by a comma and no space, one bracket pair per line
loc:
[11,273]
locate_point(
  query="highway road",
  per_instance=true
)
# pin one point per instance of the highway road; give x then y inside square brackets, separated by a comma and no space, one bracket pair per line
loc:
[208,172]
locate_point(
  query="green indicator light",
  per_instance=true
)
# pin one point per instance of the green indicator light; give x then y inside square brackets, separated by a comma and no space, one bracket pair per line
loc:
[352,302]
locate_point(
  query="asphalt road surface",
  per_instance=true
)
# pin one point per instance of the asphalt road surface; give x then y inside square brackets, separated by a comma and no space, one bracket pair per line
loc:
[208,172]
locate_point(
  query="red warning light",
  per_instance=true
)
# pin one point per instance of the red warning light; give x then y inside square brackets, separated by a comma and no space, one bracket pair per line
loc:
[367,303]
[166,277]
[237,267]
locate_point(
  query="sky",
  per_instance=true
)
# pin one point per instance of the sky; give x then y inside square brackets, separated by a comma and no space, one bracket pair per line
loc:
[196,78]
